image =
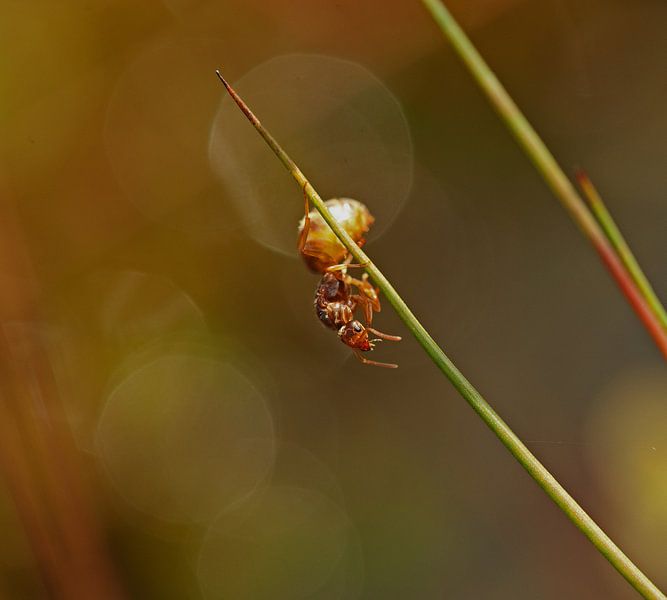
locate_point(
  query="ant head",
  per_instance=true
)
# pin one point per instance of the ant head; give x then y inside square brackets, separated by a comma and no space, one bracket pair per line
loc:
[354,334]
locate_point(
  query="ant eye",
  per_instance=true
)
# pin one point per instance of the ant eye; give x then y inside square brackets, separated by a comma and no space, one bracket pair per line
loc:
[356,327]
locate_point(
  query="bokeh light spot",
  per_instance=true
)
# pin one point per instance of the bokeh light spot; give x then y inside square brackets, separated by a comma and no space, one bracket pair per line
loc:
[289,546]
[137,307]
[628,451]
[341,125]
[185,437]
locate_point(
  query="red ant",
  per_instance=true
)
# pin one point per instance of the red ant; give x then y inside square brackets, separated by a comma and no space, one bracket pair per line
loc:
[335,300]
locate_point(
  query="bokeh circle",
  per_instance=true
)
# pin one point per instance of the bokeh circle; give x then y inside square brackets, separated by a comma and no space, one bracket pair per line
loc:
[291,545]
[184,437]
[340,123]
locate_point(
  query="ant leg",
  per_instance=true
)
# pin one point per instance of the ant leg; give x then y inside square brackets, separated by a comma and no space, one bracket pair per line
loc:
[367,289]
[374,362]
[368,314]
[384,336]
[368,307]
[303,236]
[344,265]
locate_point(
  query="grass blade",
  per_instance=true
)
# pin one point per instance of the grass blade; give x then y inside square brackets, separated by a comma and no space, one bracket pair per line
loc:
[621,246]
[547,165]
[511,441]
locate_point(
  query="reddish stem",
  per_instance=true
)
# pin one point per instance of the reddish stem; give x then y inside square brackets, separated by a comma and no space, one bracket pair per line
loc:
[628,287]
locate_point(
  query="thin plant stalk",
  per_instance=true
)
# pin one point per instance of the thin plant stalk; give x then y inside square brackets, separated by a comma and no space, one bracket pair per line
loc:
[547,165]
[38,455]
[518,449]
[618,241]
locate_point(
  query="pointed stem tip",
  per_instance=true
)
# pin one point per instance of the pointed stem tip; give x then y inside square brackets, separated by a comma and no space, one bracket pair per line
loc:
[221,78]
[586,185]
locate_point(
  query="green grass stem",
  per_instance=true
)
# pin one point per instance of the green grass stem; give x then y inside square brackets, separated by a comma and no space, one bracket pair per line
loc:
[615,236]
[511,441]
[550,170]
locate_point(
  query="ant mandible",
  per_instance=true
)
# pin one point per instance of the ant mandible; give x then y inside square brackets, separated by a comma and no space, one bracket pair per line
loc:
[335,299]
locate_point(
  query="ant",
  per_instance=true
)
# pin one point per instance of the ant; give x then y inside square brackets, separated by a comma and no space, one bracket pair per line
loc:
[335,299]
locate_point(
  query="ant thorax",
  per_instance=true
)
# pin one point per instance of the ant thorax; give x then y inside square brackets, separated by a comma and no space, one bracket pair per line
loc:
[332,301]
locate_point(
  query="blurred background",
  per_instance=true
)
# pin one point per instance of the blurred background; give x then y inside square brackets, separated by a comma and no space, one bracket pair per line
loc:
[175,423]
